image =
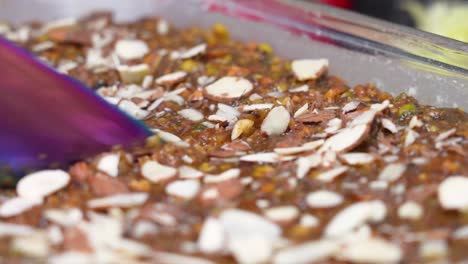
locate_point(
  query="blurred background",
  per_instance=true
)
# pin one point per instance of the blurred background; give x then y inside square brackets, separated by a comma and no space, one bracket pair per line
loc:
[443,17]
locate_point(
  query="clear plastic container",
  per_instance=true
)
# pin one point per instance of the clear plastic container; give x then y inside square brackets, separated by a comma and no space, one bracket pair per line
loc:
[398,59]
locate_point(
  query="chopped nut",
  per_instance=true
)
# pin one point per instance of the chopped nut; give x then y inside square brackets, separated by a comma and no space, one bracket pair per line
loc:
[228,89]
[276,122]
[410,210]
[452,193]
[133,74]
[130,49]
[323,199]
[39,184]
[186,189]
[307,69]
[191,114]
[171,78]
[109,164]
[156,172]
[240,127]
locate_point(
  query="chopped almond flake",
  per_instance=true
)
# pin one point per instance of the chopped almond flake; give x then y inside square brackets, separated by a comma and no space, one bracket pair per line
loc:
[410,137]
[365,118]
[128,49]
[186,172]
[228,89]
[357,158]
[355,216]
[410,210]
[309,252]
[211,238]
[119,200]
[133,74]
[307,69]
[132,109]
[224,176]
[240,127]
[253,107]
[156,172]
[304,164]
[351,106]
[166,136]
[18,205]
[192,52]
[302,110]
[323,199]
[389,125]
[445,135]
[276,122]
[372,250]
[282,214]
[162,27]
[304,147]
[415,122]
[64,217]
[392,172]
[191,114]
[346,139]
[109,164]
[267,157]
[171,78]
[452,193]
[34,246]
[39,184]
[433,249]
[330,175]
[302,88]
[309,221]
[186,189]
[316,116]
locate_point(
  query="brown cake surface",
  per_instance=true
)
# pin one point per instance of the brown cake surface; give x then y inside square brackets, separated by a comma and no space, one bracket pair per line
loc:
[255,159]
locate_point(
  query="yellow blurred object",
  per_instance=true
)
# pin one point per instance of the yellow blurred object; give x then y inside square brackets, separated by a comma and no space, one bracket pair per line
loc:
[442,18]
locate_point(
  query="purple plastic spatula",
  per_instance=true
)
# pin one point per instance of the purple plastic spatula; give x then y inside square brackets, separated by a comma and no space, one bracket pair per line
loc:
[49,118]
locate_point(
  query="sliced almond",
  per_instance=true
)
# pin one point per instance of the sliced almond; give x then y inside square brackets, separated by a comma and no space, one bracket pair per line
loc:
[303,148]
[240,127]
[192,52]
[18,205]
[357,158]
[389,125]
[224,176]
[282,214]
[109,164]
[410,210]
[191,114]
[300,89]
[130,49]
[156,172]
[276,122]
[171,78]
[8,229]
[186,189]
[452,193]
[355,216]
[166,136]
[330,175]
[317,116]
[228,89]
[211,238]
[267,157]
[323,199]
[64,217]
[254,107]
[39,184]
[410,137]
[392,172]
[186,172]
[304,164]
[132,109]
[446,134]
[346,139]
[309,252]
[133,74]
[373,250]
[307,69]
[302,110]
[351,106]
[119,200]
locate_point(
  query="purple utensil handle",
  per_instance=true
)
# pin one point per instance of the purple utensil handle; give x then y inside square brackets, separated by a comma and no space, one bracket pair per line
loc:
[48,118]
